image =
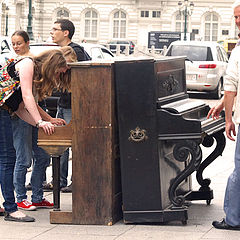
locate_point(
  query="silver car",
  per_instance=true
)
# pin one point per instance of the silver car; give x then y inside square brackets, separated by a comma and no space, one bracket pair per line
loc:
[206,65]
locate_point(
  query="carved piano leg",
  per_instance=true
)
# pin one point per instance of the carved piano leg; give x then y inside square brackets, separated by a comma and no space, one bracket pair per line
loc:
[204,192]
[183,151]
[56,182]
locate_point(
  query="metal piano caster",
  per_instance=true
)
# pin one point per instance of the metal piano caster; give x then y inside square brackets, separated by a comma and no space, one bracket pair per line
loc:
[184,222]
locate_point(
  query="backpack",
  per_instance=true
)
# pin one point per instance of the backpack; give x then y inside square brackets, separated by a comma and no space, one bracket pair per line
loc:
[9,81]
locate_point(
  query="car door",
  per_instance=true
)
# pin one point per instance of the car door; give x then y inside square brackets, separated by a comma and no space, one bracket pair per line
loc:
[222,62]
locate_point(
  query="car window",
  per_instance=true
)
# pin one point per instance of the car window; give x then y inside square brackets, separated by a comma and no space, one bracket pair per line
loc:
[193,53]
[96,53]
[224,53]
[106,54]
[219,55]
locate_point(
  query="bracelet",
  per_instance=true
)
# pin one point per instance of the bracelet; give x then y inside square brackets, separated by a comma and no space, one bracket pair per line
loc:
[39,122]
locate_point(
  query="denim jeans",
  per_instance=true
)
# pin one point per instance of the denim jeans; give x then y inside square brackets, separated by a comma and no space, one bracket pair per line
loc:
[25,143]
[66,114]
[7,162]
[232,193]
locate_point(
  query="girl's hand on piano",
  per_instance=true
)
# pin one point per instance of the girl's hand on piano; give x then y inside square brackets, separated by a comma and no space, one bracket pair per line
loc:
[58,121]
[47,127]
[230,130]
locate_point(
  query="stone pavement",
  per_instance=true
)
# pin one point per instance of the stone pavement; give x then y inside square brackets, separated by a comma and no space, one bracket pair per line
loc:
[198,226]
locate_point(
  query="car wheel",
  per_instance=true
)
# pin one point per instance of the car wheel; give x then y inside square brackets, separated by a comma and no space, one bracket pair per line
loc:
[217,94]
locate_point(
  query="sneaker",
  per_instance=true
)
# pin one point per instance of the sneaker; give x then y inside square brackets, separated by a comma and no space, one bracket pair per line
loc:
[48,187]
[43,204]
[67,189]
[26,205]
[1,211]
[28,187]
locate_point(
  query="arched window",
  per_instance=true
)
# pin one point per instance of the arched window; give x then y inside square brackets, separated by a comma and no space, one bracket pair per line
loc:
[62,13]
[91,23]
[119,24]
[180,23]
[211,27]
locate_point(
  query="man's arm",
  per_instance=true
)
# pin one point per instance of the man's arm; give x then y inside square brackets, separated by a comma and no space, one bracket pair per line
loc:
[228,103]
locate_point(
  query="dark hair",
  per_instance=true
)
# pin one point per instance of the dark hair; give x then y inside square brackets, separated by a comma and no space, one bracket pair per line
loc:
[23,34]
[239,35]
[66,25]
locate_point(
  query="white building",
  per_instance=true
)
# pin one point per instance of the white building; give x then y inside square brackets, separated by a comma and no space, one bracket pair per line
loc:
[104,20]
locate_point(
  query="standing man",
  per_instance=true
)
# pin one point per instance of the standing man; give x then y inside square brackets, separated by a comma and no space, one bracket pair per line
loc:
[61,34]
[232,89]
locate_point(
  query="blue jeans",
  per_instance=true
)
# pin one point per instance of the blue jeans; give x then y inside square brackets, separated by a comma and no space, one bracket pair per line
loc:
[25,143]
[66,114]
[232,194]
[7,162]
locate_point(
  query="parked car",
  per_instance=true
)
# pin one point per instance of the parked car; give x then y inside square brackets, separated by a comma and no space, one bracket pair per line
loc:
[206,64]
[123,43]
[97,51]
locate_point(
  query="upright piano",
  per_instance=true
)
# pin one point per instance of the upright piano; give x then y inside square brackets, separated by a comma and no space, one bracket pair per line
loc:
[161,131]
[136,140]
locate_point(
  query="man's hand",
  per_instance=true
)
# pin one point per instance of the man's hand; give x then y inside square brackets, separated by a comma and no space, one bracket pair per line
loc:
[216,110]
[230,130]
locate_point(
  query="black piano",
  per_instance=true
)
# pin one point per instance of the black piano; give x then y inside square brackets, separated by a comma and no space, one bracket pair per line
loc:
[161,131]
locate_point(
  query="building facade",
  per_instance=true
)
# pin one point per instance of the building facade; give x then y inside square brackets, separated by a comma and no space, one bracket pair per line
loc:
[101,21]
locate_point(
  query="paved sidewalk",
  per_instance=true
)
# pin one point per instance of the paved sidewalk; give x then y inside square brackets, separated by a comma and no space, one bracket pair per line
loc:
[198,226]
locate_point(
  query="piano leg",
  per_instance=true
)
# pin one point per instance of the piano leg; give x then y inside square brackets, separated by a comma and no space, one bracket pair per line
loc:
[205,192]
[56,182]
[184,150]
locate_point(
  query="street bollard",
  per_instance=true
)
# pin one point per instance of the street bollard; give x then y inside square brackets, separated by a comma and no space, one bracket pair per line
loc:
[127,50]
[152,50]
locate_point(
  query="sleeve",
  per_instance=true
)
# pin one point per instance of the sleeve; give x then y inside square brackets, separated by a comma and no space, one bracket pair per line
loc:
[232,73]
[79,52]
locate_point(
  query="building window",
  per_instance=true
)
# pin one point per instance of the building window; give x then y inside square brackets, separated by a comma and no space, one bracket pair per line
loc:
[91,22]
[180,23]
[62,14]
[211,27]
[156,14]
[119,24]
[145,14]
